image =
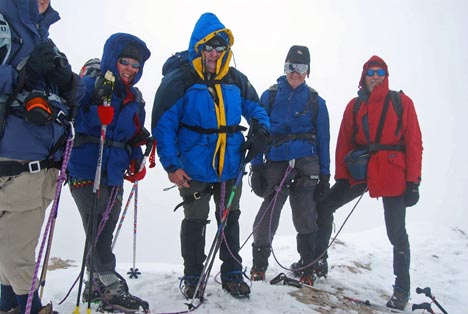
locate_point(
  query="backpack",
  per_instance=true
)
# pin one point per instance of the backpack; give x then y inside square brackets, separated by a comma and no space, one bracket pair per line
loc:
[313,101]
[397,107]
[177,60]
[5,40]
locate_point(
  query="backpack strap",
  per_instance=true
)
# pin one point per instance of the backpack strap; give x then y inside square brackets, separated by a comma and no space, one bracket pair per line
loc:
[397,106]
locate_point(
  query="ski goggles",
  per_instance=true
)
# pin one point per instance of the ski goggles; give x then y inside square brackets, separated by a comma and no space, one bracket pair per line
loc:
[380,72]
[295,67]
[133,64]
[218,49]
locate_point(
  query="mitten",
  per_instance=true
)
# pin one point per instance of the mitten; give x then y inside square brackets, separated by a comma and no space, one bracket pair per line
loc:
[257,180]
[257,143]
[322,188]
[134,173]
[100,92]
[41,61]
[106,114]
[411,196]
[62,74]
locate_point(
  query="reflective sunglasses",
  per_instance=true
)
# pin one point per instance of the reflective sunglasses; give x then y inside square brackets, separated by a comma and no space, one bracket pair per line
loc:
[218,49]
[295,67]
[134,64]
[380,72]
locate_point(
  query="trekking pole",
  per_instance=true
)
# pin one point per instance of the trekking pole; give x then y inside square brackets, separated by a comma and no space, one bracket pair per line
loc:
[124,213]
[109,79]
[134,273]
[51,222]
[427,292]
[218,237]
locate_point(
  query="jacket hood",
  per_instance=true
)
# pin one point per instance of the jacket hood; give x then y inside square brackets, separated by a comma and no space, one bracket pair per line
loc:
[207,27]
[373,61]
[113,48]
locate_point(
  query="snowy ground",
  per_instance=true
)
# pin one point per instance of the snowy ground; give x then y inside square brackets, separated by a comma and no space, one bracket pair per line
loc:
[360,264]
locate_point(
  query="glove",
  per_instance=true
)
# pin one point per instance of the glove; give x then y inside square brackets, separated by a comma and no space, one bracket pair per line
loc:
[411,196]
[323,188]
[62,74]
[338,190]
[41,62]
[101,91]
[106,114]
[256,144]
[134,173]
[257,180]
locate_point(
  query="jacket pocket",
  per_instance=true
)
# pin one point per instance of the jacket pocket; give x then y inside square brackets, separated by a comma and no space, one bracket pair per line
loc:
[386,174]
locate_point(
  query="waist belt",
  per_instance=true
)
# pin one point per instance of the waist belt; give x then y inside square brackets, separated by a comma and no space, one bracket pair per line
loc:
[375,147]
[281,139]
[14,168]
[83,139]
[222,129]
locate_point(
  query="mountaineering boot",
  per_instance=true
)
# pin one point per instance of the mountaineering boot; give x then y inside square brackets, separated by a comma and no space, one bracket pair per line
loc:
[260,262]
[117,297]
[321,267]
[97,290]
[188,285]
[234,284]
[295,268]
[399,299]
[257,274]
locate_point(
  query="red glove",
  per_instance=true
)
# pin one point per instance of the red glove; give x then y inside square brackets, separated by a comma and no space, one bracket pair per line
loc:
[106,114]
[132,175]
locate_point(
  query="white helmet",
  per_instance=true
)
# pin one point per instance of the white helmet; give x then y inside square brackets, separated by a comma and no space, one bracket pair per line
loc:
[5,40]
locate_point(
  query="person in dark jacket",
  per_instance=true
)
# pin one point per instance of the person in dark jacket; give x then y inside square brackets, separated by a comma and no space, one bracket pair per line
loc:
[298,158]
[196,116]
[123,119]
[393,169]
[37,91]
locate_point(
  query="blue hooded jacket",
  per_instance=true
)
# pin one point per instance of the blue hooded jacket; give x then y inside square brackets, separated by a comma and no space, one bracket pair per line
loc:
[183,103]
[291,114]
[128,120]
[24,140]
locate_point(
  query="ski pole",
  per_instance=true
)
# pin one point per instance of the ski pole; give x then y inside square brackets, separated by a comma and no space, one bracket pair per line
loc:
[124,213]
[109,79]
[427,292]
[134,273]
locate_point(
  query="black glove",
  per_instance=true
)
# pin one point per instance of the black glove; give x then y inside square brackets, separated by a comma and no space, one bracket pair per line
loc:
[323,188]
[100,91]
[411,196]
[41,62]
[338,190]
[257,143]
[257,180]
[62,74]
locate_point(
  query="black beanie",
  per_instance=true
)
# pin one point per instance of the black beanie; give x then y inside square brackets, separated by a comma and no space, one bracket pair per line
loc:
[298,54]
[216,41]
[131,51]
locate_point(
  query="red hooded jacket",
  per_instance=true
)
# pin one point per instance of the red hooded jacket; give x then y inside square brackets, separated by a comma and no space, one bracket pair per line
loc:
[388,170]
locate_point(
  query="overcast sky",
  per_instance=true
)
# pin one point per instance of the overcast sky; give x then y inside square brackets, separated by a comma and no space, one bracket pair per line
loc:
[423,42]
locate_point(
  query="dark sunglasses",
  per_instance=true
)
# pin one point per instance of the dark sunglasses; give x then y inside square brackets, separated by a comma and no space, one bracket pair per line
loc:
[134,64]
[380,72]
[295,67]
[219,49]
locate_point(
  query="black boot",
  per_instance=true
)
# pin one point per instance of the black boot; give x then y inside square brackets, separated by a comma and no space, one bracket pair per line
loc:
[399,299]
[234,284]
[260,262]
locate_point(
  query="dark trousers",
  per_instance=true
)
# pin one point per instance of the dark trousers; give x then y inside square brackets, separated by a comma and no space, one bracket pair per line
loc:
[104,259]
[395,216]
[194,225]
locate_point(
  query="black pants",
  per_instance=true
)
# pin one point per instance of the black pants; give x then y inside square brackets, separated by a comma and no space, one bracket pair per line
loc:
[395,216]
[104,259]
